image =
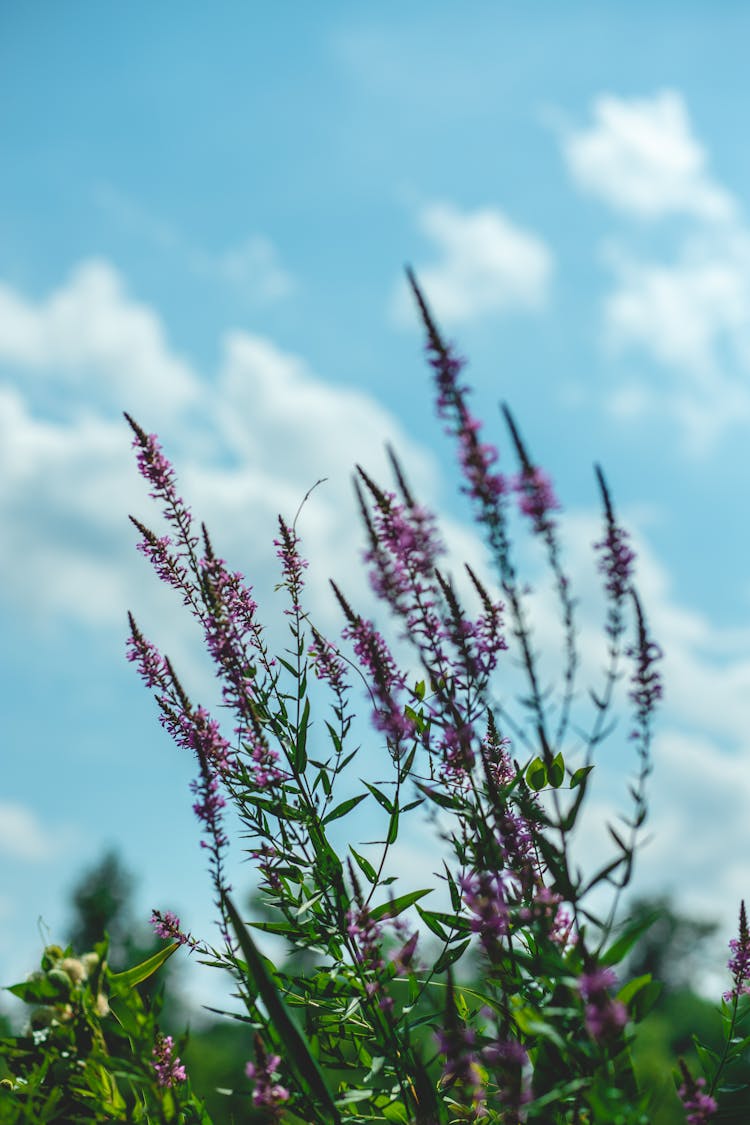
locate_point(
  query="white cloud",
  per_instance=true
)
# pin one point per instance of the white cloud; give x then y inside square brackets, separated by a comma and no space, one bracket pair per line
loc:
[92,333]
[245,448]
[691,316]
[485,265]
[640,156]
[687,314]
[24,837]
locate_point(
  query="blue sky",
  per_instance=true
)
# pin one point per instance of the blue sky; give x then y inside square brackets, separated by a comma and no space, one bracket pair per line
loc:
[204,215]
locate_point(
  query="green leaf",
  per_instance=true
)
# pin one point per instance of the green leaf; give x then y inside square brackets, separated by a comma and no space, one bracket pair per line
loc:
[365,866]
[707,1058]
[453,888]
[536,775]
[556,771]
[128,979]
[298,1051]
[419,689]
[580,776]
[300,746]
[344,808]
[432,923]
[445,800]
[392,828]
[640,995]
[450,955]
[394,907]
[380,797]
[627,939]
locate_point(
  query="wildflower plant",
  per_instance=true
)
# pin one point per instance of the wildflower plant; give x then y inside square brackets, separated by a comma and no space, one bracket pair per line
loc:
[92,1049]
[384,1028]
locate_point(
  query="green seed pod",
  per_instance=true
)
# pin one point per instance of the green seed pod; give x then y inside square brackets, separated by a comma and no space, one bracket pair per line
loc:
[51,956]
[61,982]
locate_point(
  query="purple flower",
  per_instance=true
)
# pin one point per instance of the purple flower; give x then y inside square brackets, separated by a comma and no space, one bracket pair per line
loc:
[475,457]
[699,1107]
[645,684]
[605,1017]
[739,962]
[536,497]
[403,957]
[158,472]
[485,896]
[169,1069]
[404,549]
[292,563]
[167,926]
[509,1063]
[267,1092]
[462,1065]
[616,557]
[264,759]
[152,667]
[385,680]
[208,807]
[328,663]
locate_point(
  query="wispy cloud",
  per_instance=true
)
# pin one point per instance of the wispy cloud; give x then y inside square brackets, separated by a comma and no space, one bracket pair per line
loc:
[24,837]
[252,268]
[641,157]
[485,264]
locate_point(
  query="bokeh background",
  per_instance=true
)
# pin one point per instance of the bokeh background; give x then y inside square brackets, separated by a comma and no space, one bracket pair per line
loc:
[204,215]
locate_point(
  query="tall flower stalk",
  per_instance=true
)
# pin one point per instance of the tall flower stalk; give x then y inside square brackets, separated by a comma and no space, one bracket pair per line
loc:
[380,1030]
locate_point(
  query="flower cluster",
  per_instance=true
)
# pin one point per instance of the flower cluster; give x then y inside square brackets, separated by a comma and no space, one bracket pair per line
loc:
[536,497]
[267,1092]
[169,1069]
[699,1106]
[739,962]
[605,1017]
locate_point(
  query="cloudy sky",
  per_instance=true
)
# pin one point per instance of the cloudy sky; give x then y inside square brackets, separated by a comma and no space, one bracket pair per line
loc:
[204,217]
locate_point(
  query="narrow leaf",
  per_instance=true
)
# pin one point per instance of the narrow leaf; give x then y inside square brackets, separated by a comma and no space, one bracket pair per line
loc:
[344,808]
[298,1051]
[128,979]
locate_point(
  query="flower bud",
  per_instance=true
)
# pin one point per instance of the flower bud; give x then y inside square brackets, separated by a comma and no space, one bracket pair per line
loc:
[90,962]
[74,968]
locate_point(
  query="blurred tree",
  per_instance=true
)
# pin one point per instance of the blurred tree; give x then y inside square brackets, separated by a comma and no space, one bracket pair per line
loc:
[102,902]
[674,949]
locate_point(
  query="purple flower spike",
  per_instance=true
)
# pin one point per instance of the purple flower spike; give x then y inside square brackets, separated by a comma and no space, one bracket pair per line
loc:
[739,962]
[699,1107]
[292,563]
[605,1017]
[616,556]
[268,1093]
[475,457]
[168,1067]
[536,498]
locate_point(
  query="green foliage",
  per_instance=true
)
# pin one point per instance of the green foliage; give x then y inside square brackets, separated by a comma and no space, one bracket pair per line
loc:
[86,1054]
